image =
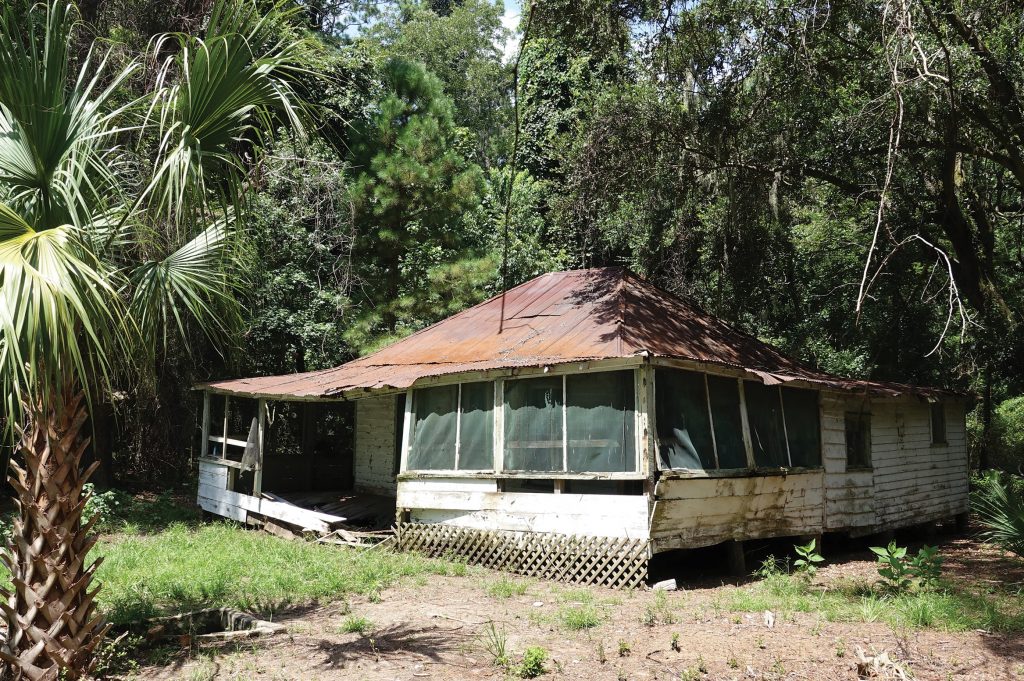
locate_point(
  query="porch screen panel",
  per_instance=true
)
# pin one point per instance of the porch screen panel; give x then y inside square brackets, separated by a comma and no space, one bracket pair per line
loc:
[433,435]
[725,411]
[764,414]
[600,419]
[802,426]
[533,424]
[684,430]
[476,431]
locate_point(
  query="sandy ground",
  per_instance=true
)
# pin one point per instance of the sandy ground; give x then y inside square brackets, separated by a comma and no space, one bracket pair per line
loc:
[438,628]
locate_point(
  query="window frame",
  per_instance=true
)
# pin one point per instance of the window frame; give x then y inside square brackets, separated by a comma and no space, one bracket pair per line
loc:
[934,408]
[863,417]
[410,420]
[744,423]
[499,427]
[641,402]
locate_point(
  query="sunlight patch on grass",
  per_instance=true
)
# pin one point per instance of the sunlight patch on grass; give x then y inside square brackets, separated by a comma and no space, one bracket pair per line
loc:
[217,565]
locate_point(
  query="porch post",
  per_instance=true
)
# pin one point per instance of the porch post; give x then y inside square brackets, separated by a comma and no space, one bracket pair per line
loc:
[204,446]
[257,480]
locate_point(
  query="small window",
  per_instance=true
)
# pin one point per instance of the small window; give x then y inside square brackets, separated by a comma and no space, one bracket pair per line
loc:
[938,423]
[858,440]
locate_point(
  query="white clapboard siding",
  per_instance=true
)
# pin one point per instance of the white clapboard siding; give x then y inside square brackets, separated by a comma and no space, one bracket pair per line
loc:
[849,495]
[478,504]
[375,444]
[914,480]
[704,511]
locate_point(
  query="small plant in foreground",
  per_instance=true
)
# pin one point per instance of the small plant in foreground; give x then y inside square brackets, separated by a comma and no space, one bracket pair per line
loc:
[927,566]
[601,657]
[624,648]
[496,645]
[772,566]
[532,664]
[578,618]
[507,588]
[356,625]
[806,564]
[675,642]
[893,566]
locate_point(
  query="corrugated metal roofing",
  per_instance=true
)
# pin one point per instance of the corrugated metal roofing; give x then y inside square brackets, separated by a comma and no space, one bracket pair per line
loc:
[556,318]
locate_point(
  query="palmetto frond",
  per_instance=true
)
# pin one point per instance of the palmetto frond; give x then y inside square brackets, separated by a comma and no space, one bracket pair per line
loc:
[55,140]
[193,282]
[61,318]
[228,90]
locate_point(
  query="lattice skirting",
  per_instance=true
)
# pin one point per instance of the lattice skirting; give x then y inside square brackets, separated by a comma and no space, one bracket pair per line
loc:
[615,562]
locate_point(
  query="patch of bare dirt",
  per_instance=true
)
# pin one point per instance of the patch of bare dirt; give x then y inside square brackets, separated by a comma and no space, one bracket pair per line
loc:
[439,628]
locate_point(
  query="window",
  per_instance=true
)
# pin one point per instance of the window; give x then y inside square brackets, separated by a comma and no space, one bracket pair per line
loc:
[858,440]
[533,424]
[700,426]
[578,423]
[938,423]
[724,397]
[452,428]
[803,426]
[767,431]
[683,420]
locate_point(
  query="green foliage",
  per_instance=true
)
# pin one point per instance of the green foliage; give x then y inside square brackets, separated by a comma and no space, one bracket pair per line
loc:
[532,664]
[496,645]
[504,587]
[109,504]
[808,558]
[893,566]
[412,184]
[900,570]
[926,566]
[772,566]
[221,565]
[999,502]
[1007,439]
[356,625]
[579,617]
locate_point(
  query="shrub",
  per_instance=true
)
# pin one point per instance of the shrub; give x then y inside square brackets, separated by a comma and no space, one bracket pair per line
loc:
[1007,440]
[532,664]
[806,563]
[926,566]
[1001,509]
[893,566]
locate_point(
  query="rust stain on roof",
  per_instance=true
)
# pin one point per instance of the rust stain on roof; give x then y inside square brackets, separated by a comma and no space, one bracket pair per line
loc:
[556,318]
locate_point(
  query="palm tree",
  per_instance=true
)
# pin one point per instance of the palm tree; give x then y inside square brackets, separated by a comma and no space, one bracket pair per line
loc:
[119,224]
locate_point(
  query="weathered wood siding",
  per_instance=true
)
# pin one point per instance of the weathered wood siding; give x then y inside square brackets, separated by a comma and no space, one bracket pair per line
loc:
[910,480]
[478,504]
[213,496]
[694,512]
[375,444]
[914,480]
[849,494]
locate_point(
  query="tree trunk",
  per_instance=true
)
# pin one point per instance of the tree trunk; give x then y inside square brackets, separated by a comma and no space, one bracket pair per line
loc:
[52,624]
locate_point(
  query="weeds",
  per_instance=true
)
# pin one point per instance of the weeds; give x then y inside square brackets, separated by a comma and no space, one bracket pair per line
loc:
[532,664]
[507,588]
[808,558]
[577,618]
[356,625]
[496,645]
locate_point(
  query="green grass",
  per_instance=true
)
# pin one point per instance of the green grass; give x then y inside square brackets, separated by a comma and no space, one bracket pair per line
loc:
[507,588]
[947,608]
[183,568]
[577,618]
[356,625]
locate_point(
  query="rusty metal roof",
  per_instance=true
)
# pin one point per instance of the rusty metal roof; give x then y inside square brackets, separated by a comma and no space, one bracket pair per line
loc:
[556,318]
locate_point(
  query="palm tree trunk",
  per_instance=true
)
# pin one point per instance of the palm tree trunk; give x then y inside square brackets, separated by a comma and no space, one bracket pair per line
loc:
[52,623]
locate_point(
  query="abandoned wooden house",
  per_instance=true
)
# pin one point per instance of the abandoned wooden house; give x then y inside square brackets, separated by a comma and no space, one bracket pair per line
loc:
[576,426]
